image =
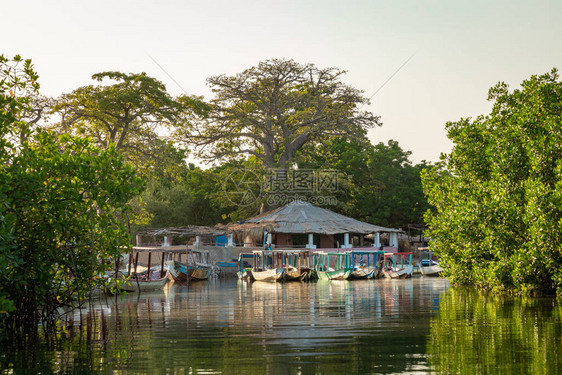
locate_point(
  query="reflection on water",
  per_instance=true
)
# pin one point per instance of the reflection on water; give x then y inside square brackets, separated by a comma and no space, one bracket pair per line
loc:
[330,327]
[479,334]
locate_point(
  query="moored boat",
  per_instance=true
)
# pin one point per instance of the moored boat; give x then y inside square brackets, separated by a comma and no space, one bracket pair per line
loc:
[294,274]
[177,271]
[200,262]
[333,274]
[245,268]
[295,262]
[341,271]
[367,264]
[146,281]
[273,274]
[428,264]
[267,266]
[398,265]
[362,273]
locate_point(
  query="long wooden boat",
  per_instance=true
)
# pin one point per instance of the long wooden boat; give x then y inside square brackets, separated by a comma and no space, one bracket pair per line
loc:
[331,274]
[245,268]
[200,261]
[433,270]
[197,268]
[177,271]
[274,274]
[295,274]
[428,264]
[297,264]
[267,266]
[341,271]
[143,283]
[200,273]
[367,264]
[398,265]
[362,273]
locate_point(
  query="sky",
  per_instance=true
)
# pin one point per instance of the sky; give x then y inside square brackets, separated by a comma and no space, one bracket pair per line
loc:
[442,55]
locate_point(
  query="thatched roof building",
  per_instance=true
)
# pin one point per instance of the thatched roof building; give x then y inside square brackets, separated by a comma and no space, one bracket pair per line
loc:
[290,223]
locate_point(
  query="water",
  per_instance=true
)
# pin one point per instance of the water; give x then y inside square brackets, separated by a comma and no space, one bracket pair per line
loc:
[414,326]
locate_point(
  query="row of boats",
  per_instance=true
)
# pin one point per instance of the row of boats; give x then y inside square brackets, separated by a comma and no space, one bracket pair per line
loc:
[197,267]
[279,265]
[300,265]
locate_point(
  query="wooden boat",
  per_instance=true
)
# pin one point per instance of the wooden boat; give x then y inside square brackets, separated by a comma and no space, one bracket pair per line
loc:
[144,283]
[245,268]
[367,264]
[296,264]
[342,269]
[398,265]
[333,274]
[268,266]
[428,266]
[295,274]
[197,268]
[177,271]
[200,261]
[273,274]
[200,273]
[362,273]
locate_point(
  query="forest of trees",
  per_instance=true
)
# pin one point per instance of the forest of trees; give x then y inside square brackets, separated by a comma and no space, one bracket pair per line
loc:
[83,171]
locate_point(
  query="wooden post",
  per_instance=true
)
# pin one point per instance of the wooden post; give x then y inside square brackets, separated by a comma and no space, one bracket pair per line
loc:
[148,266]
[117,266]
[136,261]
[162,266]
[130,262]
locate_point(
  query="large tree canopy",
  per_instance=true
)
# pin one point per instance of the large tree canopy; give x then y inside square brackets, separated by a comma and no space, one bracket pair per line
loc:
[376,183]
[497,220]
[130,113]
[270,111]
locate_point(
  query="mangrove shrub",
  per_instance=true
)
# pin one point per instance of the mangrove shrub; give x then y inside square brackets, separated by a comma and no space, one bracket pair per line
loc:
[62,207]
[497,197]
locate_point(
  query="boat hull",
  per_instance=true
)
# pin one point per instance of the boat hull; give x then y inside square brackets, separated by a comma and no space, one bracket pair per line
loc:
[272,275]
[177,271]
[434,271]
[341,274]
[200,273]
[362,273]
[295,274]
[402,273]
[140,285]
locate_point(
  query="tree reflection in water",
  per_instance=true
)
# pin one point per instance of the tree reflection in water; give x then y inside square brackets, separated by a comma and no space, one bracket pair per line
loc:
[479,334]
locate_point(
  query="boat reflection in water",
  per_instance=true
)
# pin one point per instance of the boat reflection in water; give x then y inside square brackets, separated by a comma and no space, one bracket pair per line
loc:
[414,325]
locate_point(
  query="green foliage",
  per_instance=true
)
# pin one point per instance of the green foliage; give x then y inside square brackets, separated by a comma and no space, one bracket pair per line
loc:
[377,183]
[498,195]
[63,203]
[188,200]
[131,113]
[271,110]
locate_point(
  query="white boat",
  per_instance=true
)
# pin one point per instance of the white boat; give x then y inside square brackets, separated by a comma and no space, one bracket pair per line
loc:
[428,265]
[398,265]
[273,274]
[142,283]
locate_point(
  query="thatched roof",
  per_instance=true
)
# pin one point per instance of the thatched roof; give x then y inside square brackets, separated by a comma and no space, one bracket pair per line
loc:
[190,230]
[303,217]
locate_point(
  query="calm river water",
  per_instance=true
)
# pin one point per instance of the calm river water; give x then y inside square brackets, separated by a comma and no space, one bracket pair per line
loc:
[414,326]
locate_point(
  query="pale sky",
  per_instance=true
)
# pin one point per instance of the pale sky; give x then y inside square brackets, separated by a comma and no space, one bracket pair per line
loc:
[460,49]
